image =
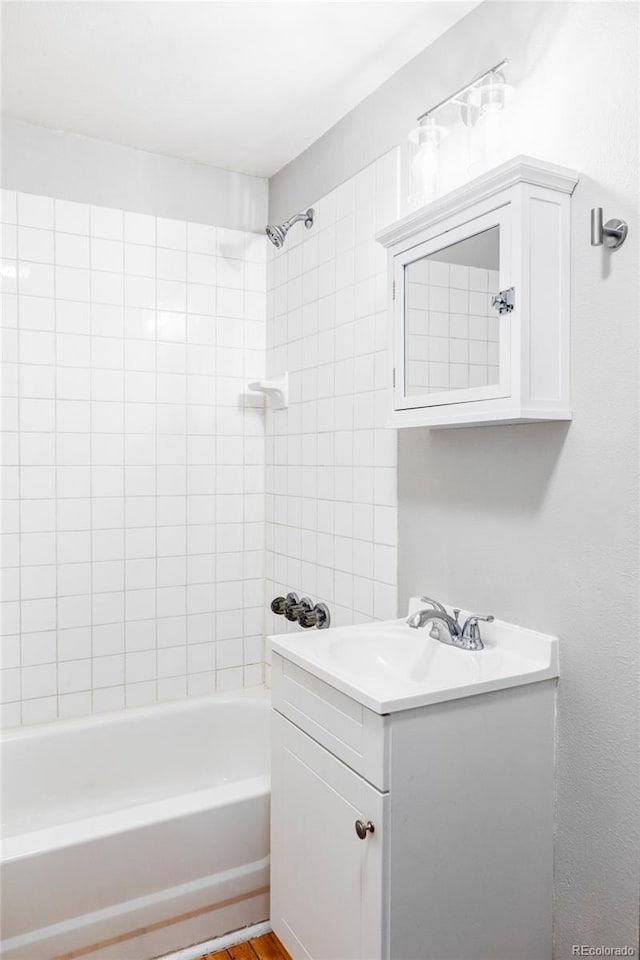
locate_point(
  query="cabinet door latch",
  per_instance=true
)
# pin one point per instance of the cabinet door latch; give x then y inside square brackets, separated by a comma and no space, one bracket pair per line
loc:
[504,301]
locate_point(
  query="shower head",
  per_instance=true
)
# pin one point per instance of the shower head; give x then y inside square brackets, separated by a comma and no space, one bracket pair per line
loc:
[277,232]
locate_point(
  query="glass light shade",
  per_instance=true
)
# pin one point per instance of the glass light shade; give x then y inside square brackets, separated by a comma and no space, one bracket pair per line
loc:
[486,104]
[490,95]
[424,172]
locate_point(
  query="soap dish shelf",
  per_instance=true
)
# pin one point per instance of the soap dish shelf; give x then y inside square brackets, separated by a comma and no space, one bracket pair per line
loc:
[276,391]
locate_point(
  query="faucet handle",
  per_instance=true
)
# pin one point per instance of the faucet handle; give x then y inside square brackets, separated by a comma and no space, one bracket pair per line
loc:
[471,630]
[434,603]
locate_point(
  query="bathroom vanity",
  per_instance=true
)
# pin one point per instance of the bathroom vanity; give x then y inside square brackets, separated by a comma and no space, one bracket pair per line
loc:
[412,794]
[479,288]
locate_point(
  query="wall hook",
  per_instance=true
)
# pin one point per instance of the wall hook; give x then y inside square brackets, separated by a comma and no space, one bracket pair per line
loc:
[613,234]
[276,391]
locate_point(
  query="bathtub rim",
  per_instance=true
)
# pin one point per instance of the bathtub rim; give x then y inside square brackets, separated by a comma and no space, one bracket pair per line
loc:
[34,843]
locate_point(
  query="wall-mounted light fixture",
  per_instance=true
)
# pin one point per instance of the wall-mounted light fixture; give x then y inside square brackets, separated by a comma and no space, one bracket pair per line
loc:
[424,171]
[482,102]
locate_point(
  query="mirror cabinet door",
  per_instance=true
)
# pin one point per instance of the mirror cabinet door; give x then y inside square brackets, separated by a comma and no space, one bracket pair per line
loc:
[451,331]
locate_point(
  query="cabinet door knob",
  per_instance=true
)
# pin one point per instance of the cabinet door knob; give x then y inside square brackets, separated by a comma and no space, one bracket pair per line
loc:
[363,828]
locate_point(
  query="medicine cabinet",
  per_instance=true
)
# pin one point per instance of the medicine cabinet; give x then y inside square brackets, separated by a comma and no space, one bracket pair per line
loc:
[479,301]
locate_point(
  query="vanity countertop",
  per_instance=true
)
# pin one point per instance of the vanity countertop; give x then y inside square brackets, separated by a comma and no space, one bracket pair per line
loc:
[388,666]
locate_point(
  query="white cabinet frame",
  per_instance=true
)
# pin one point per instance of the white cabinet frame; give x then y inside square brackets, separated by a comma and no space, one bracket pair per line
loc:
[530,201]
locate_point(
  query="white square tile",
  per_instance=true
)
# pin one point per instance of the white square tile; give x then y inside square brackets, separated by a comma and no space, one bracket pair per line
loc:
[74,704]
[171,233]
[106,223]
[140,292]
[74,676]
[74,644]
[108,699]
[73,350]
[172,296]
[140,694]
[74,611]
[37,346]
[107,288]
[140,665]
[230,302]
[201,268]
[202,238]
[171,265]
[139,260]
[73,283]
[34,211]
[73,579]
[139,228]
[108,671]
[107,255]
[107,320]
[72,250]
[39,681]
[37,648]
[73,317]
[8,206]
[73,383]
[34,244]
[71,217]
[37,482]
[201,299]
[38,615]
[35,313]
[36,279]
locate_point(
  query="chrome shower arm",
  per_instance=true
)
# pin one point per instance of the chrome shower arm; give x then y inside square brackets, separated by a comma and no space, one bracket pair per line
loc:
[277,232]
[307,216]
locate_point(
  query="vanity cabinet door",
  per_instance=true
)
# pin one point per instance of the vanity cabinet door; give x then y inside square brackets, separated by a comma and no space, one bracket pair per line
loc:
[327,885]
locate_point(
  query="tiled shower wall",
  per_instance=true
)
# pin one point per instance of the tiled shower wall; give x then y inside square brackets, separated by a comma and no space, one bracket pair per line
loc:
[133,483]
[331,460]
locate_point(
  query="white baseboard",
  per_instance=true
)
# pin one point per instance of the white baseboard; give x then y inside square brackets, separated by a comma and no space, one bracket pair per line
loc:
[199,950]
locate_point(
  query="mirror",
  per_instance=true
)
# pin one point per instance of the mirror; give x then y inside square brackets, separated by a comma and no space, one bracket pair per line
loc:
[452,333]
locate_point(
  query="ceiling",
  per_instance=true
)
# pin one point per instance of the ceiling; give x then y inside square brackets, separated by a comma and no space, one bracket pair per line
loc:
[242,86]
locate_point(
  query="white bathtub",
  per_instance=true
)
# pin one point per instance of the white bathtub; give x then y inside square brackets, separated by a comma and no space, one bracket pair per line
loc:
[129,835]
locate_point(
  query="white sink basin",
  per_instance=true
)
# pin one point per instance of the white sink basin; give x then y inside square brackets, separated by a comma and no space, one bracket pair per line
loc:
[389,666]
[410,656]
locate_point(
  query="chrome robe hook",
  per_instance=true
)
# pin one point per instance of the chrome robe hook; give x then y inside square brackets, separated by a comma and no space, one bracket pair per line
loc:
[613,233]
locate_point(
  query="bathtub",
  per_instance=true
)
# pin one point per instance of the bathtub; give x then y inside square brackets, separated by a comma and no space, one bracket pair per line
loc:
[131,834]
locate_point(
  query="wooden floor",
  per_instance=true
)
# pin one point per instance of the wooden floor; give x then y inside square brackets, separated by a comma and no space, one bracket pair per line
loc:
[267,947]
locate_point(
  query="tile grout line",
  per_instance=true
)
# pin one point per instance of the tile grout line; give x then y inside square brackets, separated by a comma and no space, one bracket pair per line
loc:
[55,453]
[19,441]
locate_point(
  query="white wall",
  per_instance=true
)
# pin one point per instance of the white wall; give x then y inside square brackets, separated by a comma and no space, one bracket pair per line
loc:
[133,464]
[539,524]
[331,464]
[71,167]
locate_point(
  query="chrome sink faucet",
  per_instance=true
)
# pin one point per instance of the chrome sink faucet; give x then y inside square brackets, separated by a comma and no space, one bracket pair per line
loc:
[447,629]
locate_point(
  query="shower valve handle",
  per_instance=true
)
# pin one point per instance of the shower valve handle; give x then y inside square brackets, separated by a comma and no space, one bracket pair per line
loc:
[282,605]
[277,605]
[316,617]
[294,610]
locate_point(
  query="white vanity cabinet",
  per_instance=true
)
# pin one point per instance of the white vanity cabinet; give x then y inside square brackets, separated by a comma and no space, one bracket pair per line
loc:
[459,793]
[479,287]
